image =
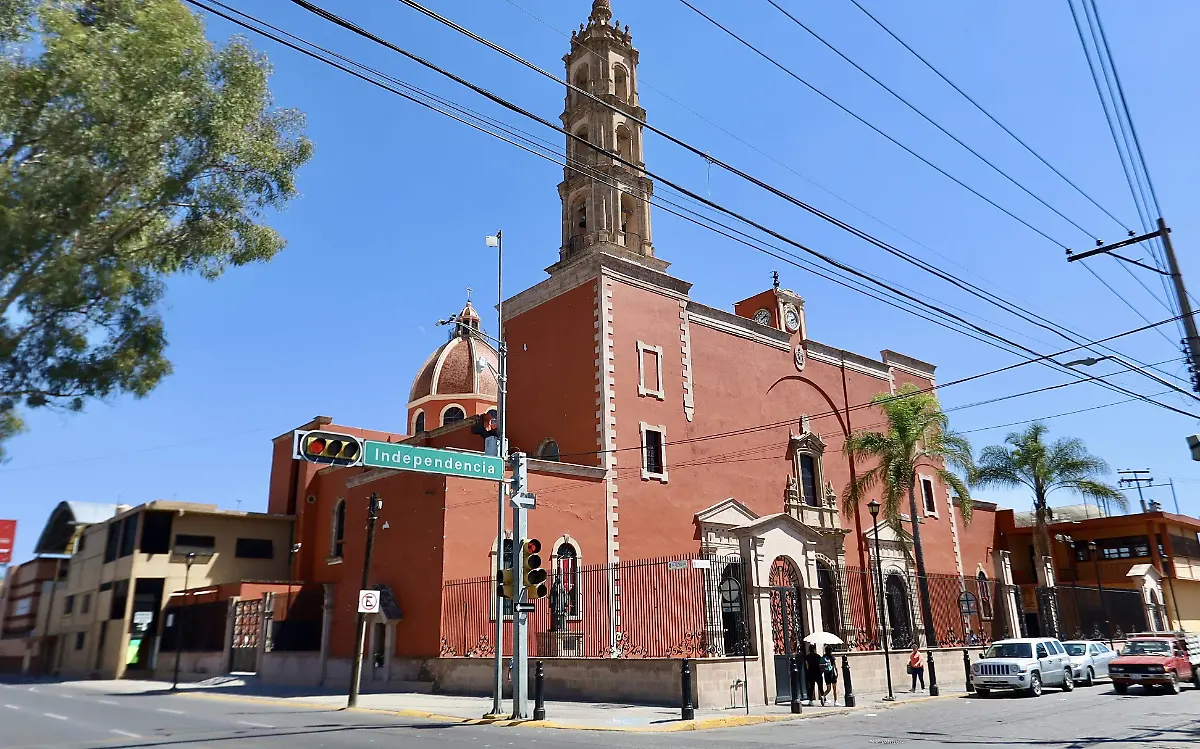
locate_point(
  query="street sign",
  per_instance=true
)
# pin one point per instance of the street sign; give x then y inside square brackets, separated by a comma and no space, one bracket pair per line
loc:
[8,534]
[524,500]
[678,564]
[143,618]
[368,601]
[431,460]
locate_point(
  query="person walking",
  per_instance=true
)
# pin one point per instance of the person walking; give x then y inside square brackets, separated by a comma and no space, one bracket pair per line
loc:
[812,674]
[829,673]
[916,667]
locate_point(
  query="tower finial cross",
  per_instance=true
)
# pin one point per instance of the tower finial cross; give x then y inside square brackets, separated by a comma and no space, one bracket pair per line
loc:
[468,293]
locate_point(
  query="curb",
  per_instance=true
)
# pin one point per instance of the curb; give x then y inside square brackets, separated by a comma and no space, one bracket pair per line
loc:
[703,724]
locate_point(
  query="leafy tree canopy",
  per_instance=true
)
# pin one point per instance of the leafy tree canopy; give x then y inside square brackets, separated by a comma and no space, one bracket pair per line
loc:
[131,149]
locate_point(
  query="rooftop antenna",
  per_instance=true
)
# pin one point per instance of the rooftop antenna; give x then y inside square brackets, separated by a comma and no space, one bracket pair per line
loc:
[775,280]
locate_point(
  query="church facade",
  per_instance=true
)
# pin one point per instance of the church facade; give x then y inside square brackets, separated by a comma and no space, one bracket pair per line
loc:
[687,458]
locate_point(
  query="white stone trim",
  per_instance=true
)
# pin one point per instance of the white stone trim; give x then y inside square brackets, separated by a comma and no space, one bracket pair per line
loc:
[437,397]
[837,361]
[685,340]
[643,390]
[606,407]
[725,327]
[647,474]
[413,426]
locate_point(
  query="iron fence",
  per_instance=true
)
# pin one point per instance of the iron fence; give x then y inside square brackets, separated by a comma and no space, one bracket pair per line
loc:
[654,608]
[1086,614]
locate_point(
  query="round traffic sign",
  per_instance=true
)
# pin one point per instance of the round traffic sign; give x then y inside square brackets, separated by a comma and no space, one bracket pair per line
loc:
[368,601]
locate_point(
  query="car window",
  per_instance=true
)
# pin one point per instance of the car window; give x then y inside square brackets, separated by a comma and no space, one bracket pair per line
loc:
[1009,650]
[1076,648]
[1058,647]
[1146,647]
[1092,649]
[1102,647]
[1041,650]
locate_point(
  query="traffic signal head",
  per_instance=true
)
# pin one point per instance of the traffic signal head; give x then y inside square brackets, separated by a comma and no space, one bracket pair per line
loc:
[504,583]
[533,575]
[329,448]
[1194,445]
[487,426]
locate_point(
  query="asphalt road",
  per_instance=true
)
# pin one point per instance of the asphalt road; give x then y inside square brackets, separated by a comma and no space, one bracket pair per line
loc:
[64,716]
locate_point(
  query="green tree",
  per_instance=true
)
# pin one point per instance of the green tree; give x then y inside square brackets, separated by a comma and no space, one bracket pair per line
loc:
[131,149]
[1025,460]
[917,436]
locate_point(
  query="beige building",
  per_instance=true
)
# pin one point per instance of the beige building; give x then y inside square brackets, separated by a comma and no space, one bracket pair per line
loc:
[107,616]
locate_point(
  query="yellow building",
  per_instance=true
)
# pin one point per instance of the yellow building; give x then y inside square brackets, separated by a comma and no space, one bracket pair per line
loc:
[107,613]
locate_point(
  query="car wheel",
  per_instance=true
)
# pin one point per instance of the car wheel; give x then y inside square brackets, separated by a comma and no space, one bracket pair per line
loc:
[1196,677]
[1068,683]
[1120,688]
[1091,678]
[1035,685]
[982,692]
[1173,683]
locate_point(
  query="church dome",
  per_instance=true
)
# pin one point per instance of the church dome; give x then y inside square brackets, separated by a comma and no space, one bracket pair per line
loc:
[463,366]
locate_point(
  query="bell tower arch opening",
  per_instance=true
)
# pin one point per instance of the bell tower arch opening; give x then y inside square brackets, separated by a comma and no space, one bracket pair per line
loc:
[604,148]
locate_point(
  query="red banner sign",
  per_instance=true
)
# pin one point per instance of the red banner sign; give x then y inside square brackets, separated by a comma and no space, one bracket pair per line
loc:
[8,535]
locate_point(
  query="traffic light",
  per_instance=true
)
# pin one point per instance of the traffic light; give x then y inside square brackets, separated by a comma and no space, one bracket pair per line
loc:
[487,426]
[1194,445]
[533,575]
[504,583]
[329,448]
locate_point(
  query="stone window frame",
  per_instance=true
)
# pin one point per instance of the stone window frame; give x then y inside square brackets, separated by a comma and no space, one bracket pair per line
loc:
[925,511]
[810,444]
[647,474]
[418,417]
[643,390]
[339,508]
[577,589]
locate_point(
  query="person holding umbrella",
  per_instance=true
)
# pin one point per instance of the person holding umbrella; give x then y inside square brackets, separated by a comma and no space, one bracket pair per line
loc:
[826,666]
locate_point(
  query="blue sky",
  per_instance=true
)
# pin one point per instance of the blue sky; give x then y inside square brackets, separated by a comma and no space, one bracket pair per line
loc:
[397,200]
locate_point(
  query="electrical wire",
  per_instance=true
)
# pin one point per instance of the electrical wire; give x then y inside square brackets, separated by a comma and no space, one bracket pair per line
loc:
[990,116]
[337,20]
[513,107]
[924,116]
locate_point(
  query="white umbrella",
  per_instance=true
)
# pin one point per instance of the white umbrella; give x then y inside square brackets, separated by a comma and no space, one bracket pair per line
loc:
[821,639]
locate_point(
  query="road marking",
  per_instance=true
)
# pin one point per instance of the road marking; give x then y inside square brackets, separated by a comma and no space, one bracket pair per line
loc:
[125,733]
[252,723]
[12,707]
[56,717]
[173,712]
[107,702]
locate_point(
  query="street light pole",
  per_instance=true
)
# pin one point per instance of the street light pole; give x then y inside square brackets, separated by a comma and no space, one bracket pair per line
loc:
[873,507]
[360,634]
[187,576]
[502,453]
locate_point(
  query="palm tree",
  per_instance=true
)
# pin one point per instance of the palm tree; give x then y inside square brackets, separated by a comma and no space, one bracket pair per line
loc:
[1027,461]
[917,436]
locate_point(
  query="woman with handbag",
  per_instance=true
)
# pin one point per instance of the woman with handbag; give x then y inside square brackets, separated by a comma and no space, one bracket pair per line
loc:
[916,668]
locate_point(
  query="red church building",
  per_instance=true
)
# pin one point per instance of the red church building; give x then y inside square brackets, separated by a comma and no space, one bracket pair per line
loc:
[686,459]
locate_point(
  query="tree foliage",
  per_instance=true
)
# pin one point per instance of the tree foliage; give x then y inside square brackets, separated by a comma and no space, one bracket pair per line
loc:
[1025,460]
[131,149]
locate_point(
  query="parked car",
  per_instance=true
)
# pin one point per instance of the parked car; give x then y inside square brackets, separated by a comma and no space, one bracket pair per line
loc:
[1089,660]
[1157,659]
[1025,664]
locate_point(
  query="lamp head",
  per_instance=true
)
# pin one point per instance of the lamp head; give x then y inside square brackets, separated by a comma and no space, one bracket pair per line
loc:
[873,508]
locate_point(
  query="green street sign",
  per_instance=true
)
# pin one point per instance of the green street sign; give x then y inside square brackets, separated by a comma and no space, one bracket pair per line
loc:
[431,460]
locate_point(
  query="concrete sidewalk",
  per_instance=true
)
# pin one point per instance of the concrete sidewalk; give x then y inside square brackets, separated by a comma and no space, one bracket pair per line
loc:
[472,710]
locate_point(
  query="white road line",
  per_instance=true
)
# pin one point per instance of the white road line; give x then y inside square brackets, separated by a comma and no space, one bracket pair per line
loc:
[12,707]
[256,725]
[107,702]
[56,717]
[172,712]
[125,733]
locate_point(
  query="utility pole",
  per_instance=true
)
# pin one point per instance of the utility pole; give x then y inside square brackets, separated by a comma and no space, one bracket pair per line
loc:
[360,632]
[502,453]
[1192,342]
[1174,498]
[1136,478]
[521,501]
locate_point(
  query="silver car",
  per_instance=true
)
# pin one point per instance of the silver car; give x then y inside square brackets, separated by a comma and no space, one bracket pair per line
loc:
[1089,660]
[1025,665]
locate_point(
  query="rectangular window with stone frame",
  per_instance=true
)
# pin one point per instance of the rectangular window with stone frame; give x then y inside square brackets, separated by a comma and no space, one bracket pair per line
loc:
[654,452]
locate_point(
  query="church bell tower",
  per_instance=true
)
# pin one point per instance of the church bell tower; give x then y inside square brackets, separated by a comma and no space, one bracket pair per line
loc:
[605,202]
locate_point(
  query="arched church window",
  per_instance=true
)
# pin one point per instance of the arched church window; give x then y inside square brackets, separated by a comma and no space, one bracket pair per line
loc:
[568,572]
[579,147]
[452,415]
[579,216]
[621,81]
[629,216]
[985,595]
[624,143]
[419,423]
[582,81]
[808,481]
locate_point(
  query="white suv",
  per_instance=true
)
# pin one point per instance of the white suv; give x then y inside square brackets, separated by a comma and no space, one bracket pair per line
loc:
[1026,664]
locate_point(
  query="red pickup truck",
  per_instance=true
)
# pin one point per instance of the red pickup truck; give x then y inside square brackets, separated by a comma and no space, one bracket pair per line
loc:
[1157,659]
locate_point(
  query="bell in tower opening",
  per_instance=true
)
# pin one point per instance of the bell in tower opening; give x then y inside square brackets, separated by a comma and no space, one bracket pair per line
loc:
[605,193]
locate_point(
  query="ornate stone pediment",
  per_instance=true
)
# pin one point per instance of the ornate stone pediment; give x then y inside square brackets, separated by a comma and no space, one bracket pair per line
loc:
[806,442]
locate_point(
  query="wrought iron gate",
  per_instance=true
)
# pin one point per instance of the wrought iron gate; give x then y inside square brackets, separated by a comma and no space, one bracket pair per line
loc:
[247,630]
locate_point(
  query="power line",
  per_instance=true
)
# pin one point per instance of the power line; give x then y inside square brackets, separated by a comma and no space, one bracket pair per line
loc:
[692,195]
[333,18]
[989,115]
[924,116]
[850,112]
